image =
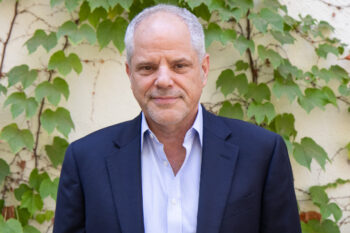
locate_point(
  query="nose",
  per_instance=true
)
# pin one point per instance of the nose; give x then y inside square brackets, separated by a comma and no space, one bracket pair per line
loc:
[164,79]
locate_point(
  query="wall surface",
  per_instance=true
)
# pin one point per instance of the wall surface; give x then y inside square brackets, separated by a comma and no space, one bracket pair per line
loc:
[100,95]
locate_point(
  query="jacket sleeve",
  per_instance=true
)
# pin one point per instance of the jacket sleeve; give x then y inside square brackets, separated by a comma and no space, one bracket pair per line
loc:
[279,206]
[70,211]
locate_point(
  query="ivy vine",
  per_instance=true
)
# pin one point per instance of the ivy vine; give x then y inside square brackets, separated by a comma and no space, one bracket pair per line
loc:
[261,74]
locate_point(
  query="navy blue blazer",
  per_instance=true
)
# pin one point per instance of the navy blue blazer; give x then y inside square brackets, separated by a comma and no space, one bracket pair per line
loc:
[246,183]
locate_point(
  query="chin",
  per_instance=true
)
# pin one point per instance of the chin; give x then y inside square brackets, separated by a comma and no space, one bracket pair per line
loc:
[167,116]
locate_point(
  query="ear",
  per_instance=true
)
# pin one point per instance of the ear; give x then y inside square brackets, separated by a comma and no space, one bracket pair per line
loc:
[128,69]
[205,68]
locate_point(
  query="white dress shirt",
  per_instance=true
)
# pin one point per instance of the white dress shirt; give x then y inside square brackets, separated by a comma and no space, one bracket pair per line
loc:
[170,203]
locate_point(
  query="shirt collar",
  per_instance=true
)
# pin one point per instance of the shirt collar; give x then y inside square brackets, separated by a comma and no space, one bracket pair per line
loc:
[197,126]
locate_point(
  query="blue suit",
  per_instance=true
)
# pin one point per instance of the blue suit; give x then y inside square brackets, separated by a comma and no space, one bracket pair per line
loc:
[246,181]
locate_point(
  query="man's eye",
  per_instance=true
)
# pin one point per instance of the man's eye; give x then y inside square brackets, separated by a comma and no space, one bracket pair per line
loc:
[146,68]
[180,66]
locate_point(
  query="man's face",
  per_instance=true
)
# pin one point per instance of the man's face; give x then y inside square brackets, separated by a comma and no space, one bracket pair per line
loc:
[166,74]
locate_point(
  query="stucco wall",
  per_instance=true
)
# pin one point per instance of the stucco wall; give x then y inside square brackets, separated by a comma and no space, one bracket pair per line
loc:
[100,95]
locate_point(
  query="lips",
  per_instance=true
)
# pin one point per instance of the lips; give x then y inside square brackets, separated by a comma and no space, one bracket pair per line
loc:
[162,100]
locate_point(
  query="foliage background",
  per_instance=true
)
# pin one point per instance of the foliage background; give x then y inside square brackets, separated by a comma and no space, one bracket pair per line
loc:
[100,96]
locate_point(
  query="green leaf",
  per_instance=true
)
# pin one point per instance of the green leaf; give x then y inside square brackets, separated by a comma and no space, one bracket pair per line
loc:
[55,2]
[307,150]
[22,215]
[316,98]
[339,72]
[20,190]
[41,38]
[241,65]
[88,33]
[318,195]
[231,111]
[285,86]
[70,29]
[71,4]
[57,150]
[269,54]
[344,89]
[287,70]
[202,11]
[3,89]
[22,74]
[52,91]
[261,112]
[47,216]
[194,3]
[246,4]
[30,229]
[258,92]
[284,125]
[99,3]
[64,64]
[283,38]
[59,119]
[35,179]
[32,202]
[242,44]
[112,31]
[49,188]
[228,82]
[212,33]
[221,8]
[126,4]
[267,17]
[11,226]
[331,209]
[16,138]
[2,203]
[324,49]
[4,170]
[84,11]
[96,16]
[314,226]
[20,103]
[323,73]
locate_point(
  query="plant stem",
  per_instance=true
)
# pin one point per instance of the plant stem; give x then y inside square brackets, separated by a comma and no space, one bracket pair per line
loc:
[8,39]
[253,69]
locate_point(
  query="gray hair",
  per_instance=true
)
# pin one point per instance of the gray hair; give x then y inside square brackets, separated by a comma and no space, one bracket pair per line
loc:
[195,28]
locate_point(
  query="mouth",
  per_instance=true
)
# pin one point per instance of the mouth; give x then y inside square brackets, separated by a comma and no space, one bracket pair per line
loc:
[164,100]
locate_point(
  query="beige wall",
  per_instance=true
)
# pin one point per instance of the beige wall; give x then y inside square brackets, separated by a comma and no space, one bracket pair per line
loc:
[100,95]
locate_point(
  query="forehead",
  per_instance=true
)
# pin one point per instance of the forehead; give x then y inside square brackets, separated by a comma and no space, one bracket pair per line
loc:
[162,32]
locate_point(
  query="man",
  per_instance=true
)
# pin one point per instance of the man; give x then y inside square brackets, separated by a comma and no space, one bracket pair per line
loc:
[175,168]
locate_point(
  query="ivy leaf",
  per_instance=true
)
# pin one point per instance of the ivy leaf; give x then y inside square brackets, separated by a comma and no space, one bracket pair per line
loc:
[270,55]
[99,3]
[228,82]
[231,111]
[4,170]
[246,4]
[194,3]
[35,179]
[3,89]
[59,119]
[316,98]
[283,38]
[344,89]
[242,44]
[284,125]
[331,209]
[20,103]
[71,4]
[112,31]
[56,151]
[314,226]
[318,195]
[65,64]
[16,138]
[202,11]
[52,91]
[20,190]
[323,73]
[11,226]
[267,17]
[212,33]
[261,112]
[241,65]
[285,86]
[70,29]
[88,33]
[49,188]
[32,202]
[41,38]
[258,92]
[30,229]
[324,49]
[22,74]
[23,215]
[287,70]
[47,216]
[339,72]
[97,15]
[126,4]
[220,6]
[55,2]
[307,150]
[84,11]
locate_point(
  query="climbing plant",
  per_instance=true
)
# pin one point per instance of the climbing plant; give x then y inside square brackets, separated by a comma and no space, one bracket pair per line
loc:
[261,34]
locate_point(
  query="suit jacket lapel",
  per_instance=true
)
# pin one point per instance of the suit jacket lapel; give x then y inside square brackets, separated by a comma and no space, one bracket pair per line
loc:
[124,168]
[218,164]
